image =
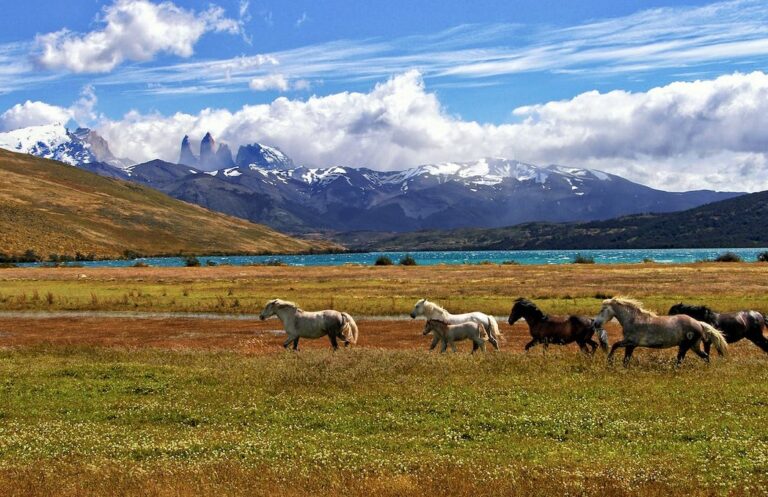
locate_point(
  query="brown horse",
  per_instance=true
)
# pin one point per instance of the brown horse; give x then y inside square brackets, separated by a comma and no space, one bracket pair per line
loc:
[734,325]
[559,330]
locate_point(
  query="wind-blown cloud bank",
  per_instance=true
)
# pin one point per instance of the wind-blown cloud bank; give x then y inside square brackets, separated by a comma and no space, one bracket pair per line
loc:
[700,134]
[684,135]
[134,30]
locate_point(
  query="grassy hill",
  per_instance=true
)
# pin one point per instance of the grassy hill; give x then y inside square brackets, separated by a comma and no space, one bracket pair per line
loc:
[52,208]
[736,222]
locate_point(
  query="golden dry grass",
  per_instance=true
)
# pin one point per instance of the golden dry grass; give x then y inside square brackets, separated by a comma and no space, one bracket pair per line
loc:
[371,290]
[52,208]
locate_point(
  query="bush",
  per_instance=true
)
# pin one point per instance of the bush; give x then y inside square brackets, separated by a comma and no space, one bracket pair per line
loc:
[762,257]
[383,260]
[583,259]
[211,263]
[728,257]
[510,262]
[648,260]
[141,264]
[191,261]
[407,260]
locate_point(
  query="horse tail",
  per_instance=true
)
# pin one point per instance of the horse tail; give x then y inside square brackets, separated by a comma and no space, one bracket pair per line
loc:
[602,336]
[349,328]
[493,327]
[715,336]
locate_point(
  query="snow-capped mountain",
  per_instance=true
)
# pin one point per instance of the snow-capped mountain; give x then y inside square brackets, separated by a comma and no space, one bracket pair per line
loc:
[264,185]
[489,192]
[55,141]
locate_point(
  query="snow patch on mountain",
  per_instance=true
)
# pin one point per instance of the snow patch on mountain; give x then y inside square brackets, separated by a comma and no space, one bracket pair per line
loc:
[51,141]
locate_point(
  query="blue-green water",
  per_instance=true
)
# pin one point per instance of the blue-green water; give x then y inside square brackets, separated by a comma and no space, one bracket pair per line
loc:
[458,257]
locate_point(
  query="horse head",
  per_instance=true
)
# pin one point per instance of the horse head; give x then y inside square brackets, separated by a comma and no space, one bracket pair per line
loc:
[524,308]
[418,309]
[606,313]
[434,325]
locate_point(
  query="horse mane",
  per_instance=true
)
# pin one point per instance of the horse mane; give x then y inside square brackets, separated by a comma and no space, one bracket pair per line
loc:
[633,304]
[432,307]
[700,312]
[283,303]
[531,307]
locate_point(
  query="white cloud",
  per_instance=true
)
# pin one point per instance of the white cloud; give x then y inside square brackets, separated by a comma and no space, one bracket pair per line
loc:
[82,111]
[646,42]
[702,134]
[302,20]
[134,30]
[33,114]
[269,82]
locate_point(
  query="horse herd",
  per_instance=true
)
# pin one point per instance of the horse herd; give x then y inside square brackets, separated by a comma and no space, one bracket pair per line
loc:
[686,327]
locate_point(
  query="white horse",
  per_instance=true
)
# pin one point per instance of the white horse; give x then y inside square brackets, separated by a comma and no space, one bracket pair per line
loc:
[451,333]
[430,310]
[301,324]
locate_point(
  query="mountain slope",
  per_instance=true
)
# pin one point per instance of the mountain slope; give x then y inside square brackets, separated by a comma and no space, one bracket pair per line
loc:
[483,193]
[736,222]
[52,208]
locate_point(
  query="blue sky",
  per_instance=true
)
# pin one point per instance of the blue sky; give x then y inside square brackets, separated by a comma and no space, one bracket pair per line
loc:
[412,28]
[389,83]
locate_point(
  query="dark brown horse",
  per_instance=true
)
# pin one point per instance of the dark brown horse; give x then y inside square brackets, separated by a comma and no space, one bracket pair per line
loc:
[560,330]
[734,325]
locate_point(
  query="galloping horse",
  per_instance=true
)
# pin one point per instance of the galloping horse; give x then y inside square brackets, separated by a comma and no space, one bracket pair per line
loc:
[301,324]
[734,325]
[559,330]
[451,333]
[430,310]
[644,328]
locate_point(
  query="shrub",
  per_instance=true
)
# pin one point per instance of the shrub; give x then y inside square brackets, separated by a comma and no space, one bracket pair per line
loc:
[762,256]
[191,261]
[408,260]
[583,259]
[728,257]
[648,260]
[510,262]
[211,263]
[141,264]
[383,260]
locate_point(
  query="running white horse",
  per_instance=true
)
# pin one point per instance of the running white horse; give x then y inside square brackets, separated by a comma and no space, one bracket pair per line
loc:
[452,333]
[430,310]
[302,324]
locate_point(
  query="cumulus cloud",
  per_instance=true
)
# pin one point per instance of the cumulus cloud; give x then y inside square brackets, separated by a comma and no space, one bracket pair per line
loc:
[82,111]
[700,134]
[269,82]
[33,114]
[133,30]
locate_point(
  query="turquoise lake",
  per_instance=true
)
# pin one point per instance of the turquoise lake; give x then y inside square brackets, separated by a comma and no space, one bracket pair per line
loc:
[457,257]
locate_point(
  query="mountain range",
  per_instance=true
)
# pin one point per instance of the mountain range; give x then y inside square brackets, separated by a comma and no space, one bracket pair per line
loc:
[262,184]
[735,223]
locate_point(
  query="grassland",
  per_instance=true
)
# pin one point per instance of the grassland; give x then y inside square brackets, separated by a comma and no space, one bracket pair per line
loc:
[383,290]
[52,208]
[95,406]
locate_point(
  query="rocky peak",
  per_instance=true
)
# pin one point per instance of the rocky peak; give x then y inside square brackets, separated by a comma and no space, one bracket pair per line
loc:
[262,156]
[186,156]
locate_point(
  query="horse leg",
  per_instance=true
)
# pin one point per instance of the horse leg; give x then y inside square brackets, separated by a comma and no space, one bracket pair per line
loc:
[288,341]
[453,346]
[704,356]
[707,346]
[334,343]
[475,346]
[435,339]
[296,344]
[628,355]
[443,347]
[759,340]
[621,343]
[583,347]
[530,344]
[592,344]
[682,351]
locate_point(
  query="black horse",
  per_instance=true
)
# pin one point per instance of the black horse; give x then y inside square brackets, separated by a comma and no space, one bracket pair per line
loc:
[734,325]
[559,330]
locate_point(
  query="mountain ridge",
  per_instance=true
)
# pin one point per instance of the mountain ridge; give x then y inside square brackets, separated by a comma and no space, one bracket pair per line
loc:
[52,208]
